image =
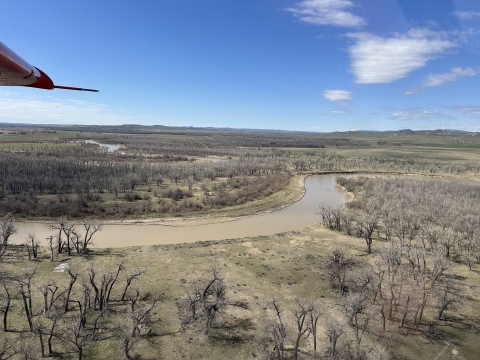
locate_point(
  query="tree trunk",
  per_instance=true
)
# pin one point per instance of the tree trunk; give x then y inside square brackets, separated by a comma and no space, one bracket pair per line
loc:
[5,314]
[27,311]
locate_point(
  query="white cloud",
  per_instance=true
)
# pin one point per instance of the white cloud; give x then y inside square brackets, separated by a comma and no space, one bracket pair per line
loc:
[440,79]
[418,113]
[55,111]
[327,12]
[337,95]
[466,15]
[377,59]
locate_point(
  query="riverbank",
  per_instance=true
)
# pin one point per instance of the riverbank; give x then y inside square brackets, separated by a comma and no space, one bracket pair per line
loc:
[319,190]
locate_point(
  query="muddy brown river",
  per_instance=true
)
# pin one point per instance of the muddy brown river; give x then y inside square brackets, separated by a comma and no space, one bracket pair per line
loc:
[320,189]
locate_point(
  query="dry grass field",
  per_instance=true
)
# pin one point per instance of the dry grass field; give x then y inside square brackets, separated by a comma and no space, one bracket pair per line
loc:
[284,267]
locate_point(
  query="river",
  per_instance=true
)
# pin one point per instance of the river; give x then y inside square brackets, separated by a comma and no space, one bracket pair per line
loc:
[110,148]
[320,189]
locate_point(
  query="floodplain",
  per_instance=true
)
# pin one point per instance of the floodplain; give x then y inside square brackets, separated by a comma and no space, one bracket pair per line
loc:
[379,278]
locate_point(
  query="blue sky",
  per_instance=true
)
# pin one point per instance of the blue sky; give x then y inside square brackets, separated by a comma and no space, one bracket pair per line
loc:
[313,65]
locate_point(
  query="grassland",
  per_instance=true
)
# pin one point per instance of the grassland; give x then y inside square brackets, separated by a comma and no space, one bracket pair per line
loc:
[286,267]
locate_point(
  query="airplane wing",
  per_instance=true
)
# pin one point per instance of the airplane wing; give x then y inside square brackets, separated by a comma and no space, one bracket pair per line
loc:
[15,71]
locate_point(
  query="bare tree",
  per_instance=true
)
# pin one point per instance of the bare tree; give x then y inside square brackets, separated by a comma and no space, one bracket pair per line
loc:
[136,325]
[103,289]
[275,334]
[338,267]
[314,314]
[207,302]
[6,301]
[38,329]
[91,227]
[440,265]
[7,228]
[7,349]
[74,334]
[25,290]
[31,245]
[448,294]
[54,314]
[359,315]
[333,329]
[51,246]
[73,278]
[131,277]
[367,223]
[301,320]
[50,296]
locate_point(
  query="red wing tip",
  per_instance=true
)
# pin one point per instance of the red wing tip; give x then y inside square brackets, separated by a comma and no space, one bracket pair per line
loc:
[73,88]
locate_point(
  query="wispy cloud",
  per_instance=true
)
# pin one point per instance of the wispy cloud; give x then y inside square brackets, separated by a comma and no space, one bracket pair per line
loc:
[452,75]
[439,79]
[341,97]
[338,112]
[377,59]
[327,12]
[419,113]
[466,15]
[35,110]
[471,110]
[337,95]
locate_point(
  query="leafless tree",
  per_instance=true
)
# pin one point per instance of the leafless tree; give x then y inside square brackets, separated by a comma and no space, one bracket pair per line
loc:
[448,294]
[6,300]
[338,267]
[51,246]
[301,320]
[440,265]
[366,224]
[136,325]
[103,287]
[38,329]
[90,227]
[74,334]
[7,349]
[73,278]
[7,229]
[275,334]
[334,330]
[130,278]
[24,284]
[54,314]
[31,245]
[50,295]
[314,314]
[207,301]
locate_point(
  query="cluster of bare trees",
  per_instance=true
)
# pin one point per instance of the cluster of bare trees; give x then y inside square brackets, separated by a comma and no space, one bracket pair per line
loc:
[72,236]
[313,330]
[75,313]
[218,143]
[333,162]
[434,214]
[75,185]
[68,237]
[422,225]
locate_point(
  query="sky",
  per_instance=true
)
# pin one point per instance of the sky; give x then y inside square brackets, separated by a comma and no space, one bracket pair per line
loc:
[311,65]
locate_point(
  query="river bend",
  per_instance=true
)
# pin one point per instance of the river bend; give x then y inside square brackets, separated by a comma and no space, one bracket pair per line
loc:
[320,189]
